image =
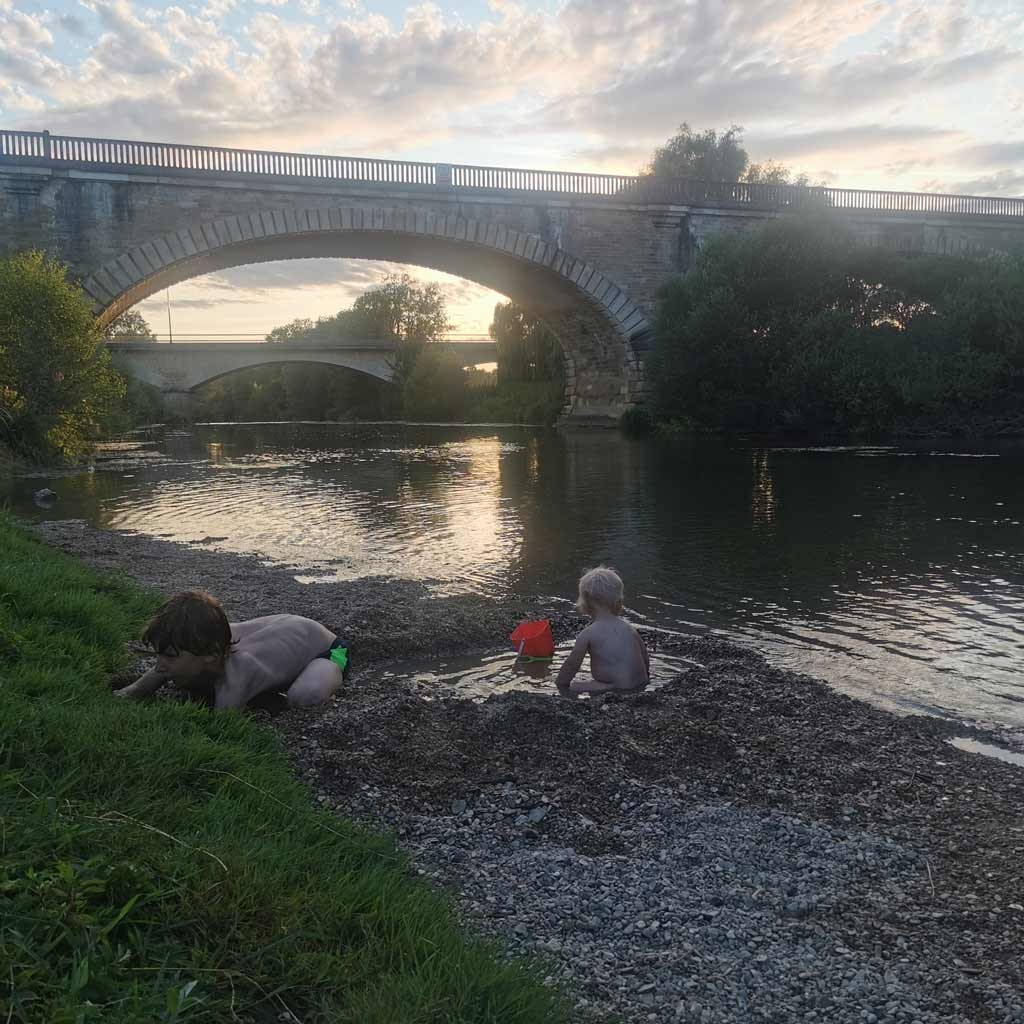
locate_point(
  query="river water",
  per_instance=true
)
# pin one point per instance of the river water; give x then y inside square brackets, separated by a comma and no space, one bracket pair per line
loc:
[895,573]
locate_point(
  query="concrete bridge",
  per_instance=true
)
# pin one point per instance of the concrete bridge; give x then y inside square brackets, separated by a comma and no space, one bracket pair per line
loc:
[177,370]
[584,252]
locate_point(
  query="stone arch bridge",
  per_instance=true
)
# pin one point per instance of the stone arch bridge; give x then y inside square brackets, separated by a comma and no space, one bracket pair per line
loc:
[177,370]
[584,252]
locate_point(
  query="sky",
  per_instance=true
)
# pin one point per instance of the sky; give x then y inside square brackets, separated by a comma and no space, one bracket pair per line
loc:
[860,93]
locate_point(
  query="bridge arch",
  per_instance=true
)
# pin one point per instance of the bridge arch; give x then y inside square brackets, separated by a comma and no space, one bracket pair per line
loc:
[603,332]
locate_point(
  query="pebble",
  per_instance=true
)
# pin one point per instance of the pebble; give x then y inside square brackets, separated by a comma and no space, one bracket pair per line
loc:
[707,914]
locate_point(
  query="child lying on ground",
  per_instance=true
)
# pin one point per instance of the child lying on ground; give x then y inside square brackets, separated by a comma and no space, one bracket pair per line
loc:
[202,652]
[618,656]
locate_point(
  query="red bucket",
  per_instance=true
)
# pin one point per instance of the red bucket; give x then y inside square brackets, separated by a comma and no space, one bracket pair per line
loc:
[534,640]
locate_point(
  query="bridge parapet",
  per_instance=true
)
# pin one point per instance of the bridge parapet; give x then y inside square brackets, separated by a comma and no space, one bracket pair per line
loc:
[178,368]
[67,152]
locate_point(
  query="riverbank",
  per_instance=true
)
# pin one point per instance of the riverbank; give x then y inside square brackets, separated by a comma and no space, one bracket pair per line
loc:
[161,863]
[745,844]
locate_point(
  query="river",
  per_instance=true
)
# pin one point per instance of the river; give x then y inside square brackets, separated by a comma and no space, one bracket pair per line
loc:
[894,572]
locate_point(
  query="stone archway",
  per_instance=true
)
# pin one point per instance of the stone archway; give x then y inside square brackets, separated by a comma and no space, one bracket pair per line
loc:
[603,332]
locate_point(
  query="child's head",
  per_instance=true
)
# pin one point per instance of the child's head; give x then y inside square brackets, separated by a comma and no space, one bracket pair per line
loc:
[190,634]
[600,588]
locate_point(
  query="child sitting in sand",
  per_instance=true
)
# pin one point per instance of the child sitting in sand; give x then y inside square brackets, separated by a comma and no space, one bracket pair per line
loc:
[618,656]
[202,652]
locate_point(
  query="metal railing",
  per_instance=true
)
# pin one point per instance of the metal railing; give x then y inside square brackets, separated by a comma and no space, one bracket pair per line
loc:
[65,151]
[239,337]
[71,151]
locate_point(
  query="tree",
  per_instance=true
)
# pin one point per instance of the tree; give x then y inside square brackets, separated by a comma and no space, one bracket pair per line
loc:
[295,330]
[771,172]
[705,156]
[527,349]
[435,388]
[130,325]
[714,156]
[403,308]
[796,326]
[56,379]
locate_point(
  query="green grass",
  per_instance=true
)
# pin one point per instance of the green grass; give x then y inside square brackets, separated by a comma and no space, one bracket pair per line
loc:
[159,863]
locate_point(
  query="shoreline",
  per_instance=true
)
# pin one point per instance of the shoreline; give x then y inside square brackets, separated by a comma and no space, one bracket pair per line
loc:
[743,844]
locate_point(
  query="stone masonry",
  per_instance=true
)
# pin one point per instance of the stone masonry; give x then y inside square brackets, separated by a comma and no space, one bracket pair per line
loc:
[590,266]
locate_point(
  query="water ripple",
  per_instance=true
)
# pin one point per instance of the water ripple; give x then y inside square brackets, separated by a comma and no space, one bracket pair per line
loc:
[895,572]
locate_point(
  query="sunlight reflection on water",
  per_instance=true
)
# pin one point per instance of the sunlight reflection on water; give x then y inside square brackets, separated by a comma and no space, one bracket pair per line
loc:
[898,576]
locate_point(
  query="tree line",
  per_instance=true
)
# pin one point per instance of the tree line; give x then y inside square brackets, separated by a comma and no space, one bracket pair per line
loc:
[797,327]
[429,381]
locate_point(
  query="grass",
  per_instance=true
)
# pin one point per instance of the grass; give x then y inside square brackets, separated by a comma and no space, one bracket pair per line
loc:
[159,863]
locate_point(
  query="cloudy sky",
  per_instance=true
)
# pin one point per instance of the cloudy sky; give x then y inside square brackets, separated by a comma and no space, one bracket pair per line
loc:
[863,93]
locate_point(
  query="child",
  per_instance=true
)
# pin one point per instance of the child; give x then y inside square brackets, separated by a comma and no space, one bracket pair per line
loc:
[618,656]
[200,650]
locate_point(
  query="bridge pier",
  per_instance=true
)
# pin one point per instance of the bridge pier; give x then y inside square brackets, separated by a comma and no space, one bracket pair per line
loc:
[178,406]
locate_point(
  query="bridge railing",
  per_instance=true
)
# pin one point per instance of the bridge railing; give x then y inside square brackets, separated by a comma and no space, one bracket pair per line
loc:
[72,151]
[66,151]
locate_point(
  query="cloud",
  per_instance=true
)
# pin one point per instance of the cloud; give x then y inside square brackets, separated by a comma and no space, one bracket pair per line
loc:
[22,30]
[993,152]
[252,300]
[870,93]
[1001,183]
[848,89]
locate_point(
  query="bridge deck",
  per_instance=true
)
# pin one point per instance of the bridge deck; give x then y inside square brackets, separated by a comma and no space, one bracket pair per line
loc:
[66,152]
[481,351]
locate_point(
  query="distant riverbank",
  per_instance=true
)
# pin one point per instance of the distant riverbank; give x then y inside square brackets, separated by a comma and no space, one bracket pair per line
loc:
[742,830]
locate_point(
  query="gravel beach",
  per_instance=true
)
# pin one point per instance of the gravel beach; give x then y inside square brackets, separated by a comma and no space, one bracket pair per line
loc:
[744,844]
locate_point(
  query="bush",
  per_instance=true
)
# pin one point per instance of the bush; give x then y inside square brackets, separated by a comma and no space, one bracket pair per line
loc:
[535,402]
[794,327]
[56,381]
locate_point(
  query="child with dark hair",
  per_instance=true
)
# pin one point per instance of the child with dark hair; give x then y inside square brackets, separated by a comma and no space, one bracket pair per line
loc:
[201,651]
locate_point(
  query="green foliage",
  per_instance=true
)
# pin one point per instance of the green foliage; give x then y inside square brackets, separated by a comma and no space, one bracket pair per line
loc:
[771,172]
[130,325]
[536,402]
[795,327]
[714,156]
[526,348]
[400,308]
[435,386]
[706,156]
[428,383]
[162,863]
[56,381]
[296,330]
[142,403]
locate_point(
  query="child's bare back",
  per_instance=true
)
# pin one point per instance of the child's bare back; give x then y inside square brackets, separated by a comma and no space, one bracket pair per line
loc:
[618,655]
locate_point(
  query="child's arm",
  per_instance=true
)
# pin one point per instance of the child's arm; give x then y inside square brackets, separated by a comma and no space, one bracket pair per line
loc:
[571,665]
[646,654]
[145,686]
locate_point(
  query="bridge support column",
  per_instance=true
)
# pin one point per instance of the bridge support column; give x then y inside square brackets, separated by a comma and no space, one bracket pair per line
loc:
[178,406]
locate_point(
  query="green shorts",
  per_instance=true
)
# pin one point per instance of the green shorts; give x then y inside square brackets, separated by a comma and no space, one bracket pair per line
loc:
[338,653]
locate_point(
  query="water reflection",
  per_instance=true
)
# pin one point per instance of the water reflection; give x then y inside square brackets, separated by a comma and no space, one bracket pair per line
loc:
[893,572]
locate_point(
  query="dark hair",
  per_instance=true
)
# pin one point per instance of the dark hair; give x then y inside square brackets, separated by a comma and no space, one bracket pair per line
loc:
[191,621]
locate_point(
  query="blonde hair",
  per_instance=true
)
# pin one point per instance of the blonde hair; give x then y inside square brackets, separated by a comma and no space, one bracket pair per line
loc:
[600,587]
